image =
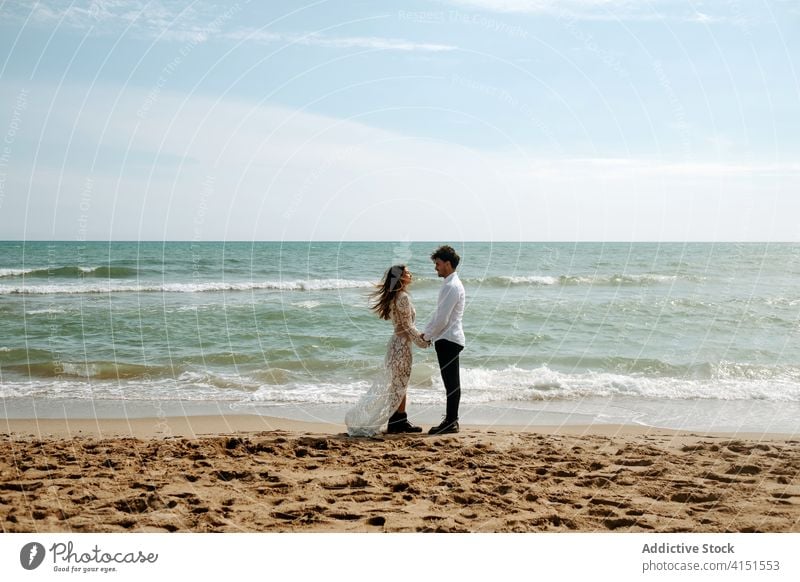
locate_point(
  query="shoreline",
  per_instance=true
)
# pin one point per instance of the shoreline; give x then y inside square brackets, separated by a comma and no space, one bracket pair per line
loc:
[732,417]
[202,425]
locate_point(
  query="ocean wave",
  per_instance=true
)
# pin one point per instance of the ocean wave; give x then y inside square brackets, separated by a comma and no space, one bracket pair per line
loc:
[307,304]
[535,280]
[72,272]
[216,381]
[141,376]
[49,311]
[117,284]
[480,386]
[782,301]
[205,287]
[702,371]
[97,370]
[577,280]
[13,272]
[516,384]
[21,356]
[617,279]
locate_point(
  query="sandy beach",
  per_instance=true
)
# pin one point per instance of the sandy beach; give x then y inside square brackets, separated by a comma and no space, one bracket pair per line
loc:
[257,474]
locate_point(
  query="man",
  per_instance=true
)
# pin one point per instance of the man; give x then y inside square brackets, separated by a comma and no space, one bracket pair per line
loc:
[447,334]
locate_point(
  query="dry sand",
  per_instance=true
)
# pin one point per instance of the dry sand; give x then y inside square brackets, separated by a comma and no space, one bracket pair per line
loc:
[255,474]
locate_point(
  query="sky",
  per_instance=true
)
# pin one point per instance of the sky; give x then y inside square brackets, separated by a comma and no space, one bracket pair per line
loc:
[415,120]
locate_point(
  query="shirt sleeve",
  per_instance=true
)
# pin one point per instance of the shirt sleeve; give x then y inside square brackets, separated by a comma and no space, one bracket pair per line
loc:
[448,299]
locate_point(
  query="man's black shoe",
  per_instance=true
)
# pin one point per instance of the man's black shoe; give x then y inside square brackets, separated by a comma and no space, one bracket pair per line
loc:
[446,427]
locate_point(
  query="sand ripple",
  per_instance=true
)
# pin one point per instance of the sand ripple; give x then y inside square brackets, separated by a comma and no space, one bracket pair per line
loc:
[481,481]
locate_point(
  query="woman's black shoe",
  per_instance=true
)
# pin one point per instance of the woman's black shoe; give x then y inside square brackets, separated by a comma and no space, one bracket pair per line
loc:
[403,427]
[398,424]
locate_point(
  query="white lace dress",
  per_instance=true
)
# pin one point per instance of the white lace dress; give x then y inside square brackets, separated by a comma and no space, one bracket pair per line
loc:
[377,404]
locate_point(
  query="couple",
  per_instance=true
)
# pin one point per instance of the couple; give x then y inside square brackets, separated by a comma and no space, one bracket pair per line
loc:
[385,401]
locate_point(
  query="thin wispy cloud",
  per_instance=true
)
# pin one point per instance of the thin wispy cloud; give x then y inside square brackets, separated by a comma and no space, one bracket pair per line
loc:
[621,107]
[170,21]
[343,42]
[279,168]
[141,18]
[581,9]
[596,9]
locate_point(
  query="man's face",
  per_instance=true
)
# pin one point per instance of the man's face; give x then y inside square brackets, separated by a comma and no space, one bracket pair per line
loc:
[443,268]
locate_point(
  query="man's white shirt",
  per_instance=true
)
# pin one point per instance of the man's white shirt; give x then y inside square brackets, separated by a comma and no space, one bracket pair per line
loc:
[446,322]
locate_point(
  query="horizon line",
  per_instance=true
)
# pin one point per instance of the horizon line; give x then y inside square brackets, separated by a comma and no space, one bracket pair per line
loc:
[395,241]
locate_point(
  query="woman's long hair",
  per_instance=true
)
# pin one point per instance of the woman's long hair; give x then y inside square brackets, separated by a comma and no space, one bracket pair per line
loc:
[387,290]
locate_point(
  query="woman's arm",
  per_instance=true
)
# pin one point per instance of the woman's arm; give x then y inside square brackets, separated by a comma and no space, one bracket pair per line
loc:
[404,322]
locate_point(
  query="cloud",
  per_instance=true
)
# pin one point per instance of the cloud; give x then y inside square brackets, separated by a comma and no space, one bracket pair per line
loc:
[651,170]
[593,9]
[151,19]
[583,9]
[275,172]
[195,167]
[701,18]
[181,22]
[320,40]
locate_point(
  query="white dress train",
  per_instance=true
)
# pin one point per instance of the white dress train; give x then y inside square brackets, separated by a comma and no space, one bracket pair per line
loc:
[376,405]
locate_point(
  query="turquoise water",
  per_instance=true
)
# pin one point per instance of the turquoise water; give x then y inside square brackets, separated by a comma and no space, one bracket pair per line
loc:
[548,325]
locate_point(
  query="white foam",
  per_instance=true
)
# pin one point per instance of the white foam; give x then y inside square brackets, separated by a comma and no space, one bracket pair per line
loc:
[531,280]
[479,386]
[45,311]
[617,279]
[9,391]
[62,289]
[105,287]
[331,284]
[311,393]
[81,370]
[15,272]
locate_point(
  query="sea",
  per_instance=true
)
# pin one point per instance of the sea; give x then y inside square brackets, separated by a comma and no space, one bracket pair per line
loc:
[685,336]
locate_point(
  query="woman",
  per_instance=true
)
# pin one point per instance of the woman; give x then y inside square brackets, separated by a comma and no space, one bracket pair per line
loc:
[386,399]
